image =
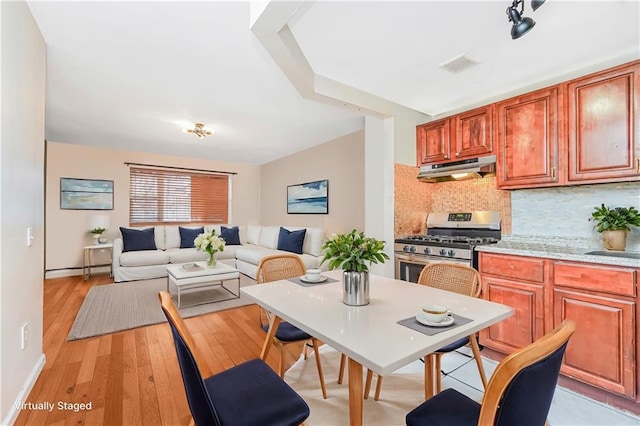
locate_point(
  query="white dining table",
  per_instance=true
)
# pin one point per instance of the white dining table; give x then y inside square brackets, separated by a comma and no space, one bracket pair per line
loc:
[370,335]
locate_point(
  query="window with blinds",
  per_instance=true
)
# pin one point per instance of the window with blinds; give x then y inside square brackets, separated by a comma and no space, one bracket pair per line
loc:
[167,196]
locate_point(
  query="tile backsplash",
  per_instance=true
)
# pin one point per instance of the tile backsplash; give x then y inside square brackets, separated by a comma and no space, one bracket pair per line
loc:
[565,211]
[415,199]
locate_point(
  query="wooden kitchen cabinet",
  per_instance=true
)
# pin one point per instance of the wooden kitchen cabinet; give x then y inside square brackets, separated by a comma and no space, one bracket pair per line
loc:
[601,301]
[530,129]
[518,282]
[433,140]
[473,133]
[459,137]
[603,118]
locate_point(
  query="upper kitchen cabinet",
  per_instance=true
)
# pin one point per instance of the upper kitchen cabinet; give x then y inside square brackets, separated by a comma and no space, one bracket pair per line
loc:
[433,140]
[529,134]
[603,118]
[467,135]
[473,133]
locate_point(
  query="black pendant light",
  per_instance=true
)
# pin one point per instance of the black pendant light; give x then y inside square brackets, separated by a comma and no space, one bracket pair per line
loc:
[521,25]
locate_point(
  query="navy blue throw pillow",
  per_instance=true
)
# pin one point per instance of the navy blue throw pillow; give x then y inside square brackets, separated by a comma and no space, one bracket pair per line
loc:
[291,240]
[138,239]
[231,236]
[187,235]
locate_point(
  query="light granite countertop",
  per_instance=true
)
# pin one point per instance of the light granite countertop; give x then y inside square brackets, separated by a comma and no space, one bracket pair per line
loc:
[555,248]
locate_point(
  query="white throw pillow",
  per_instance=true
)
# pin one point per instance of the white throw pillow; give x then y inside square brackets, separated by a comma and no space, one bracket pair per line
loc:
[253,234]
[269,236]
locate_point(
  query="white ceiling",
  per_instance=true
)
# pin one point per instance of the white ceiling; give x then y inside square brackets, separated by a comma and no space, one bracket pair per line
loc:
[131,75]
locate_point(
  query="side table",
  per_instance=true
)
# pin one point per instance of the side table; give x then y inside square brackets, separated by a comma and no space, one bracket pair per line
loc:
[88,263]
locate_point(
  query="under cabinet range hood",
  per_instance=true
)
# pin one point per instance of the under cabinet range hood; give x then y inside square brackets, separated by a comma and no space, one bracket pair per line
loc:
[458,170]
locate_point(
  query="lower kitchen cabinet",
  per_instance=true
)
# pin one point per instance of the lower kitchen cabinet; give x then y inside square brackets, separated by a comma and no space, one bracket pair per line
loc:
[601,299]
[517,282]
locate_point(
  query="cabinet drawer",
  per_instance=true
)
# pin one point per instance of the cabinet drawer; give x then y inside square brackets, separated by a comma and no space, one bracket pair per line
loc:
[520,268]
[606,279]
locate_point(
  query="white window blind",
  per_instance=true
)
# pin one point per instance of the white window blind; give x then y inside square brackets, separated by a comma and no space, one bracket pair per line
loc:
[161,196]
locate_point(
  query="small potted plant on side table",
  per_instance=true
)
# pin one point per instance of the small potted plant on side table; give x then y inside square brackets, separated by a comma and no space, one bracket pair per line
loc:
[353,252]
[614,224]
[97,233]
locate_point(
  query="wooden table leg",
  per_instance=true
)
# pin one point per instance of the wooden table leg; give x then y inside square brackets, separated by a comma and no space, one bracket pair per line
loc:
[428,377]
[271,333]
[355,393]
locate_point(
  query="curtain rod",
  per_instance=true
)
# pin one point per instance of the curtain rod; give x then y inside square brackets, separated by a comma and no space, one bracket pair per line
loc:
[180,168]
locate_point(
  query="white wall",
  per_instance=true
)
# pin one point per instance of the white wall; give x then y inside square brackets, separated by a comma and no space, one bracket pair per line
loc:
[341,161]
[565,211]
[21,203]
[68,230]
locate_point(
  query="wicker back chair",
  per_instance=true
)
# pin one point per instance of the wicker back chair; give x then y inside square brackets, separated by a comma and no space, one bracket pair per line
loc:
[453,277]
[459,279]
[280,267]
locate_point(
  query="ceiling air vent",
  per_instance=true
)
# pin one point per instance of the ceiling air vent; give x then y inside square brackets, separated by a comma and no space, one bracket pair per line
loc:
[459,63]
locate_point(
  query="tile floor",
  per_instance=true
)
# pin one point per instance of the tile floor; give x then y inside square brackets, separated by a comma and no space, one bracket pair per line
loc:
[567,409]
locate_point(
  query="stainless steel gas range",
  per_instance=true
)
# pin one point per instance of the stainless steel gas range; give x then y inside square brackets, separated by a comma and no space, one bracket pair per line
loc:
[450,237]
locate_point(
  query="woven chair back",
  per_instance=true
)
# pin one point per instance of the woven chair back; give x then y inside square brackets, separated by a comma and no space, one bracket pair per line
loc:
[279,267]
[460,279]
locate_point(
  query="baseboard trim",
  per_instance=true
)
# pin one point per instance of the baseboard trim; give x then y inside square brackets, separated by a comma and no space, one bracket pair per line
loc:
[70,272]
[12,415]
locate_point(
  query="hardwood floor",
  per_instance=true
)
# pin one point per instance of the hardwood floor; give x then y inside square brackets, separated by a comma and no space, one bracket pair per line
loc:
[131,377]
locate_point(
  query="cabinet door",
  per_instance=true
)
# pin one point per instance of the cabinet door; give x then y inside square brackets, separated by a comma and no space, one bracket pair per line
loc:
[473,133]
[529,133]
[527,323]
[433,142]
[603,117]
[601,352]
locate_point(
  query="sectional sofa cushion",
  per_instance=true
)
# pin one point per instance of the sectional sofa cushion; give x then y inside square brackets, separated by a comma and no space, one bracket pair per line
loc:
[269,236]
[231,236]
[187,235]
[138,239]
[144,258]
[291,240]
[253,234]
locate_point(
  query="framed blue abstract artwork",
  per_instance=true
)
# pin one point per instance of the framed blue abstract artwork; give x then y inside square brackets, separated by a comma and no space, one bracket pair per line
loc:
[86,194]
[308,198]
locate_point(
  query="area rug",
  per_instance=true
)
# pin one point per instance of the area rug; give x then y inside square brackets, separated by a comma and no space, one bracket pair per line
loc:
[122,306]
[402,391]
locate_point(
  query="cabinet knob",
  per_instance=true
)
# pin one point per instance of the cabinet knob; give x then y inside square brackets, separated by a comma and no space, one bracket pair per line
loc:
[457,154]
[446,157]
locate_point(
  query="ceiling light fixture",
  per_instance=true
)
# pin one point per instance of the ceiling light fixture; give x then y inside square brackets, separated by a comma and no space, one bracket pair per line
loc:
[199,131]
[521,24]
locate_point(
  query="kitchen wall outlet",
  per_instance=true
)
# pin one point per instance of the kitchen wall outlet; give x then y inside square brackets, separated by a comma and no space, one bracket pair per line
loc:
[25,335]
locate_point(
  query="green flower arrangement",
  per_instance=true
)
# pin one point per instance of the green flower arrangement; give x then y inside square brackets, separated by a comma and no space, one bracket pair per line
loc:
[353,252]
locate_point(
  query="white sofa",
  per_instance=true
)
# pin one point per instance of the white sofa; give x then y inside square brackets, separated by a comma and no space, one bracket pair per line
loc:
[256,242]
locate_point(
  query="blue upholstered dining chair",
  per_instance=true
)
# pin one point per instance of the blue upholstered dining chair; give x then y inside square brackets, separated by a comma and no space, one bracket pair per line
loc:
[519,392]
[248,394]
[280,267]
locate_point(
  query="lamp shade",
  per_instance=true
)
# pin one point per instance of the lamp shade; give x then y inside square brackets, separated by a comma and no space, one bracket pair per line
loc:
[99,221]
[521,27]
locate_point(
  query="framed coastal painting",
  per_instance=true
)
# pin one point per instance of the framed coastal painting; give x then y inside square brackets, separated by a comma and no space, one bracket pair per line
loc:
[308,198]
[86,194]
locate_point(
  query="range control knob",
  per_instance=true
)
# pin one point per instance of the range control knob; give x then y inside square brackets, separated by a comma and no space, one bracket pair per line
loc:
[443,252]
[405,248]
[412,249]
[451,253]
[427,250]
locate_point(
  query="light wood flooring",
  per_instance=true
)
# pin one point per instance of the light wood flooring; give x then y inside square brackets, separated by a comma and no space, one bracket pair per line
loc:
[131,377]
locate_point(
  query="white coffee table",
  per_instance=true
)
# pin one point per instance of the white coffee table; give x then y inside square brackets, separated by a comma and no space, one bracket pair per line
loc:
[202,277]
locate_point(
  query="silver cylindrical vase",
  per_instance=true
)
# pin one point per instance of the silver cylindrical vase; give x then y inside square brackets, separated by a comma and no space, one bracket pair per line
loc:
[355,290]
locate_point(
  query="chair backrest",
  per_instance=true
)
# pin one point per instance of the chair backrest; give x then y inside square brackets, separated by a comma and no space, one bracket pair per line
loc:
[192,365]
[522,386]
[279,267]
[454,277]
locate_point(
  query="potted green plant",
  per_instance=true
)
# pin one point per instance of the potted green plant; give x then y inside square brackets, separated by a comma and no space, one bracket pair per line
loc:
[97,232]
[614,224]
[354,253]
